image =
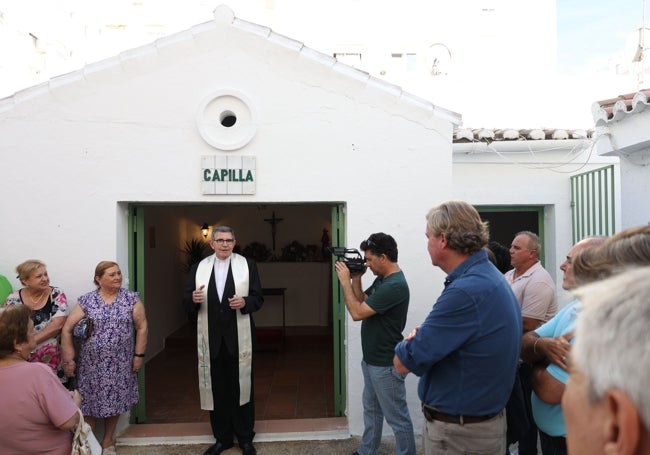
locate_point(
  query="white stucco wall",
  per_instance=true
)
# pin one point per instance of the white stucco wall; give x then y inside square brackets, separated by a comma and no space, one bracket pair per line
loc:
[529,174]
[635,187]
[626,136]
[77,150]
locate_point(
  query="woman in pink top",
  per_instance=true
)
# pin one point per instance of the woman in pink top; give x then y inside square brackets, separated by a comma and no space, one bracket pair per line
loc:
[37,411]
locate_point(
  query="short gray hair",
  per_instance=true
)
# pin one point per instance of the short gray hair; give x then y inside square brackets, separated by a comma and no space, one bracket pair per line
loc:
[612,337]
[534,243]
[227,229]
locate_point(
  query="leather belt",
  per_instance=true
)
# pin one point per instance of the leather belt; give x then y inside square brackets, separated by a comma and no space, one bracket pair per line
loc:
[431,414]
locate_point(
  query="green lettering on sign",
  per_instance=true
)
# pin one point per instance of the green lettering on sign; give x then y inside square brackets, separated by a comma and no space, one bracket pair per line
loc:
[224,175]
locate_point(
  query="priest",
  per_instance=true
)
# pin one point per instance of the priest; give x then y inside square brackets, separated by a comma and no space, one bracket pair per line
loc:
[223,290]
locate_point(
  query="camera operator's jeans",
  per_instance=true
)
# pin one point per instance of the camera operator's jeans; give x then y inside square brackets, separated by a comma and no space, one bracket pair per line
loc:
[384,395]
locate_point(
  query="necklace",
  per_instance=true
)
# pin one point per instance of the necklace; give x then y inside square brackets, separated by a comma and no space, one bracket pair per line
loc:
[36,301]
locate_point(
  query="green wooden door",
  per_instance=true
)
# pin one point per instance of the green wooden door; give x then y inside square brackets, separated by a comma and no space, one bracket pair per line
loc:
[136,280]
[338,316]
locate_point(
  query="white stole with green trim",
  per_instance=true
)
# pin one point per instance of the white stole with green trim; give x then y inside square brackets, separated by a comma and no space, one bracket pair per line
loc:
[239,268]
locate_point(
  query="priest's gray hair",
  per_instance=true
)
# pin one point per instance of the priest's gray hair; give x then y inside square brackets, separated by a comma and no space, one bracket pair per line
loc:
[227,229]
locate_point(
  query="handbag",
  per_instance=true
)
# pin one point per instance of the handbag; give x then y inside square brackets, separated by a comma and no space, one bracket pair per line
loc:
[84,441]
[83,329]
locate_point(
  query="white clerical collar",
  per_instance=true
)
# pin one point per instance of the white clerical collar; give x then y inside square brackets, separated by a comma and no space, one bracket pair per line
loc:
[222,261]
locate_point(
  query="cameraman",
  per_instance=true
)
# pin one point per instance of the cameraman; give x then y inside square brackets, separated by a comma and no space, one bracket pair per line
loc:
[382,310]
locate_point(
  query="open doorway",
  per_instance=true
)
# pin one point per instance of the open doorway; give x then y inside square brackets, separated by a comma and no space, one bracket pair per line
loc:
[505,222]
[295,358]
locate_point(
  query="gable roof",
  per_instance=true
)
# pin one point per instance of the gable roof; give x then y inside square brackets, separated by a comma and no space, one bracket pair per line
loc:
[224,15]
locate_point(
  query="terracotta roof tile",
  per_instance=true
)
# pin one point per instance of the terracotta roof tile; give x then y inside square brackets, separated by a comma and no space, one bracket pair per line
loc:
[604,111]
[509,134]
[615,109]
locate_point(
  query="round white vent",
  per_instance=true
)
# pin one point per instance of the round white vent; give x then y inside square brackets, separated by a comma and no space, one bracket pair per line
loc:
[226,120]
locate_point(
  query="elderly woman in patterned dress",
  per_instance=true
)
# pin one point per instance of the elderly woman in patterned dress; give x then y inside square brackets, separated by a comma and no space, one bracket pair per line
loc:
[49,312]
[108,361]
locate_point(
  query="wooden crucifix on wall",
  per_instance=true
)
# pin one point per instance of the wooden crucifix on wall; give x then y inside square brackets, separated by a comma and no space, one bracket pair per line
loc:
[273,221]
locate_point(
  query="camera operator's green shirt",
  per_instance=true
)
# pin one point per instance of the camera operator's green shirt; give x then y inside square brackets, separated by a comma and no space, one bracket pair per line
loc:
[389,298]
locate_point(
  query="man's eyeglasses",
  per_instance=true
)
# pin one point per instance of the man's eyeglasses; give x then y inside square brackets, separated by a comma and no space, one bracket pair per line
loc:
[222,241]
[368,244]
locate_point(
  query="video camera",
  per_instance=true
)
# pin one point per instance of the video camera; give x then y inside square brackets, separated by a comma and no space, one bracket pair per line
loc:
[351,257]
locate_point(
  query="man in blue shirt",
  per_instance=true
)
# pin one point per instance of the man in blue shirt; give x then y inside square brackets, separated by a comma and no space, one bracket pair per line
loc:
[467,349]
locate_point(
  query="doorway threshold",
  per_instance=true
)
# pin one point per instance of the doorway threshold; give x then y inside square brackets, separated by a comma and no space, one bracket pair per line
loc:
[266,431]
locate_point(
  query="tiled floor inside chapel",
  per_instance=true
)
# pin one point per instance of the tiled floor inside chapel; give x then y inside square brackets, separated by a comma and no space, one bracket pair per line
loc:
[293,379]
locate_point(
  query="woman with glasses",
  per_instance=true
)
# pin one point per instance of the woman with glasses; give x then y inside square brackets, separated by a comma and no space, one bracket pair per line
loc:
[49,311]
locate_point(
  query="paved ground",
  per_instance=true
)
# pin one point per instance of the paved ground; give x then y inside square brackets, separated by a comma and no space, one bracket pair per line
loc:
[334,447]
[330,447]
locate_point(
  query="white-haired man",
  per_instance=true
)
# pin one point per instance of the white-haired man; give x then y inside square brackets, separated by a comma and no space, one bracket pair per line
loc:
[607,398]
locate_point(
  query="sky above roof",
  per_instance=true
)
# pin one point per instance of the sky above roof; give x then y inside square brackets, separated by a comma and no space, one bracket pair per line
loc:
[588,30]
[592,36]
[591,31]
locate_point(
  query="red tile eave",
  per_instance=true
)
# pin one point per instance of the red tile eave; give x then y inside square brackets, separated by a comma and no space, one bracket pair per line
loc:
[608,104]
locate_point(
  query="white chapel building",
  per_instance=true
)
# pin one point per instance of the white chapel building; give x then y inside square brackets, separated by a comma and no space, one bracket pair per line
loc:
[231,123]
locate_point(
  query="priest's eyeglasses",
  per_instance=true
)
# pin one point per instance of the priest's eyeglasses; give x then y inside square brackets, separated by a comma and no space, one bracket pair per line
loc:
[222,241]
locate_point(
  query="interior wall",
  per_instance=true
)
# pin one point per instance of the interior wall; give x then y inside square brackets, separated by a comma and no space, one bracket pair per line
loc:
[163,275]
[303,223]
[307,298]
[168,227]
